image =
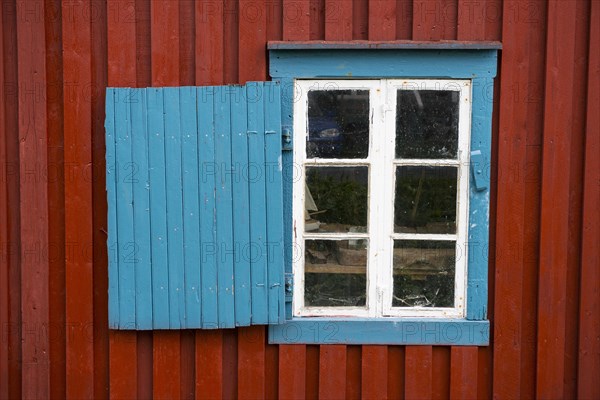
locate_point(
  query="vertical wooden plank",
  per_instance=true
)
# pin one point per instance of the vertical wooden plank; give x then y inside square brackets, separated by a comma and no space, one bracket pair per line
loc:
[33,154]
[174,207]
[296,19]
[404,19]
[332,371]
[121,39]
[463,372]
[258,212]
[111,192]
[252,39]
[589,312]
[191,206]
[554,238]
[374,381]
[158,206]
[418,372]
[209,364]
[224,214]
[292,371]
[167,366]
[209,42]
[208,236]
[312,371]
[4,231]
[382,20]
[317,20]
[251,362]
[271,371]
[434,19]
[141,211]
[231,36]
[395,371]
[353,372]
[360,20]
[241,205]
[187,42]
[440,383]
[472,18]
[125,231]
[338,20]
[78,202]
[274,188]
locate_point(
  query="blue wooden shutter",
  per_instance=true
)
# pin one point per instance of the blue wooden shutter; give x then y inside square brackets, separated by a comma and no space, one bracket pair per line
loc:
[195,209]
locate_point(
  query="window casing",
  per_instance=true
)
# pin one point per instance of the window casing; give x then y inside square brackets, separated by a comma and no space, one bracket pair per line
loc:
[388,259]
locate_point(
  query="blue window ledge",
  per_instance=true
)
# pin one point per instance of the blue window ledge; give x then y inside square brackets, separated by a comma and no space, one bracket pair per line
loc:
[407,331]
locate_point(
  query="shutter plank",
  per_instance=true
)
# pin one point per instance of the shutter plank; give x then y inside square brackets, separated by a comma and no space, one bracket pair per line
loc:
[174,207]
[141,212]
[224,214]
[208,233]
[274,192]
[191,207]
[241,210]
[158,209]
[111,194]
[258,212]
[125,232]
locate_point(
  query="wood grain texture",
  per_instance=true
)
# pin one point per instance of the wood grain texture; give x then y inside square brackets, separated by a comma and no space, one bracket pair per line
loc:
[463,372]
[374,381]
[418,378]
[292,371]
[332,371]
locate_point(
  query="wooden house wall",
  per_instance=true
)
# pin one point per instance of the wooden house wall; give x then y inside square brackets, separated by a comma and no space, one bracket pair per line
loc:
[56,59]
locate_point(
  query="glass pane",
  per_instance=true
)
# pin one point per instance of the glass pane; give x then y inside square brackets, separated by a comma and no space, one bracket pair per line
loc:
[427,124]
[424,273]
[336,199]
[338,124]
[425,200]
[335,273]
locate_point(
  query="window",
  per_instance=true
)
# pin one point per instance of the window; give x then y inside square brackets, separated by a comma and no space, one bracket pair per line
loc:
[380,211]
[346,201]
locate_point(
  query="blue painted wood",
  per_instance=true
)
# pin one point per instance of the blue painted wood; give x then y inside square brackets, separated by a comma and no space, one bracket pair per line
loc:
[224,210]
[387,63]
[241,205]
[274,188]
[258,212]
[477,170]
[141,211]
[479,200]
[127,245]
[208,227]
[174,207]
[111,192]
[191,206]
[158,208]
[288,173]
[401,331]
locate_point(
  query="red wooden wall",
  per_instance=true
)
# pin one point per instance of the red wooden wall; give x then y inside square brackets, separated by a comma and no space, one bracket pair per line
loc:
[56,60]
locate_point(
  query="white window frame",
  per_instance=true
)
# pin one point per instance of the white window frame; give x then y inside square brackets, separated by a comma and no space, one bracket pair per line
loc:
[381,163]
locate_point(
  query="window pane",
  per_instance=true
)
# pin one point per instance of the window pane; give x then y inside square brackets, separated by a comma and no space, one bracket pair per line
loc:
[424,273]
[425,200]
[338,124]
[336,199]
[427,124]
[335,273]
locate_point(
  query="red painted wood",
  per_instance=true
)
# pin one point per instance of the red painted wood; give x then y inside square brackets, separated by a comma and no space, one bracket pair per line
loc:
[360,19]
[188,365]
[166,365]
[78,201]
[589,312]
[292,371]
[296,19]
[209,46]
[440,383]
[231,38]
[145,354]
[99,252]
[395,372]
[554,249]
[187,43]
[4,237]
[252,38]
[312,371]
[374,381]
[271,371]
[353,371]
[382,20]
[332,371]
[317,20]
[338,20]
[418,369]
[230,363]
[209,364]
[471,20]
[123,364]
[33,160]
[484,373]
[463,372]
[404,18]
[251,362]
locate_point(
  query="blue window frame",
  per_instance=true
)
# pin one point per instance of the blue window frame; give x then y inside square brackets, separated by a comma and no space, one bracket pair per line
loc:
[476,62]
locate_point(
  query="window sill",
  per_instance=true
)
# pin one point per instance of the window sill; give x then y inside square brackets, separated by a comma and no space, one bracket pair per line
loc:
[389,331]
